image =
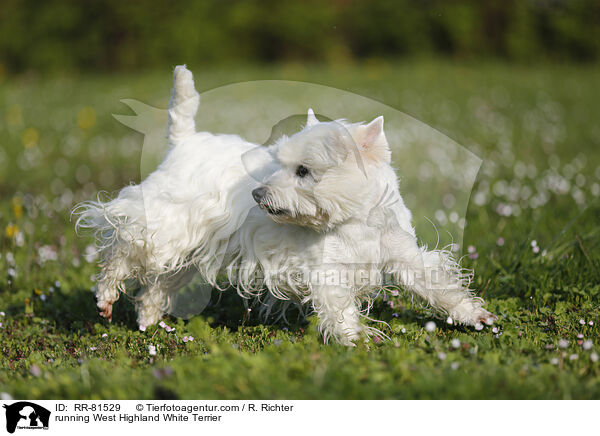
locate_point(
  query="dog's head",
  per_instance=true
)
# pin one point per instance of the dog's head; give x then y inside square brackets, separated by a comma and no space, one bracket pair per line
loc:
[326,173]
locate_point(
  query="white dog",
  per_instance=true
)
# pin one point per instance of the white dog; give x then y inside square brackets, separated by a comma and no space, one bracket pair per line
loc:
[330,229]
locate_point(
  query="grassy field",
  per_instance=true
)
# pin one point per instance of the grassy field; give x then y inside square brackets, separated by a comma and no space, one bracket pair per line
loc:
[532,236]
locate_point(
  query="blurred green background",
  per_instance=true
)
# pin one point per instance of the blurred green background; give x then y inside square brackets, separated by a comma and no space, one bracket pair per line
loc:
[58,35]
[514,82]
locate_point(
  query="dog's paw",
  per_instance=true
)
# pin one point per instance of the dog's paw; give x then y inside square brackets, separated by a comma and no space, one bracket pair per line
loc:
[488,318]
[473,315]
[484,318]
[106,308]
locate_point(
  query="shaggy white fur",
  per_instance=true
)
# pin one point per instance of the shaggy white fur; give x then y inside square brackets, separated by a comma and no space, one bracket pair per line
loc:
[330,228]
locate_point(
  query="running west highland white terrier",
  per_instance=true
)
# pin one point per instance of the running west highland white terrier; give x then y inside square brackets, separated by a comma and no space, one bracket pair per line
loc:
[315,218]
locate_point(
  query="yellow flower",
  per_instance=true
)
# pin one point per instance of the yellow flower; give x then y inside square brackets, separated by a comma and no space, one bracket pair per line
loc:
[11,231]
[30,137]
[38,292]
[86,118]
[17,204]
[28,307]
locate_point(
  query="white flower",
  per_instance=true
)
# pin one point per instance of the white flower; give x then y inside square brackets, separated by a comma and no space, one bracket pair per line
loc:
[450,321]
[573,357]
[554,361]
[93,348]
[403,330]
[594,357]
[162,324]
[143,328]
[10,259]
[5,396]
[430,326]
[581,321]
[2,314]
[478,326]
[587,345]
[442,355]
[563,343]
[455,343]
[152,350]
[454,365]
[90,254]
[591,323]
[47,253]
[495,330]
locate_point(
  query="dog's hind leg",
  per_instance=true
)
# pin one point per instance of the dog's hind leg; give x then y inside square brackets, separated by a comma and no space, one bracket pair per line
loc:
[106,295]
[152,304]
[156,298]
[110,286]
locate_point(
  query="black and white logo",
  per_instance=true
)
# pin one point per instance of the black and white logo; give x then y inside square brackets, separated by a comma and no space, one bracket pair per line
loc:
[26,415]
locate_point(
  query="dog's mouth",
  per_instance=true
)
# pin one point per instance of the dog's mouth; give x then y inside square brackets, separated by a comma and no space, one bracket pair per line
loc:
[275,210]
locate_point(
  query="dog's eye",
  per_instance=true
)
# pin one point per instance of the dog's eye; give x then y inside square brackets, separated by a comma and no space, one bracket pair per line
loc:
[302,171]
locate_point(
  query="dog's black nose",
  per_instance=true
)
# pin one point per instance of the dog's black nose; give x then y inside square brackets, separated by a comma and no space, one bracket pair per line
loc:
[259,193]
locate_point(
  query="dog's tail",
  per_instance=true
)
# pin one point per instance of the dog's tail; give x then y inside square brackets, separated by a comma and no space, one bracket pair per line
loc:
[182,106]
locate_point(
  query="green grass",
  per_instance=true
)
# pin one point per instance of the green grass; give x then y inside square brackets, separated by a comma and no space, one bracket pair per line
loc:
[536,129]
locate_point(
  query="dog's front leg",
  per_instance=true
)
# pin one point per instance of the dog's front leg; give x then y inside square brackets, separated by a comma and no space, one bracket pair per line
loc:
[437,278]
[338,313]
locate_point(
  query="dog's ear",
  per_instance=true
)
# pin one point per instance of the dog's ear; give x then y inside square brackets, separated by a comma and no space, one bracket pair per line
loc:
[372,142]
[311,120]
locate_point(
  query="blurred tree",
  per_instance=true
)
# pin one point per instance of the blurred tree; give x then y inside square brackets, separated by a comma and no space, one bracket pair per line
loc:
[123,35]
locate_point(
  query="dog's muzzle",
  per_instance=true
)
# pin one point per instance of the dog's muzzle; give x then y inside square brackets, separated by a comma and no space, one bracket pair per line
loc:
[259,195]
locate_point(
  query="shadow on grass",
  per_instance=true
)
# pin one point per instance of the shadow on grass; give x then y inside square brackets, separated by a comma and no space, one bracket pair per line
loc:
[76,311]
[227,309]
